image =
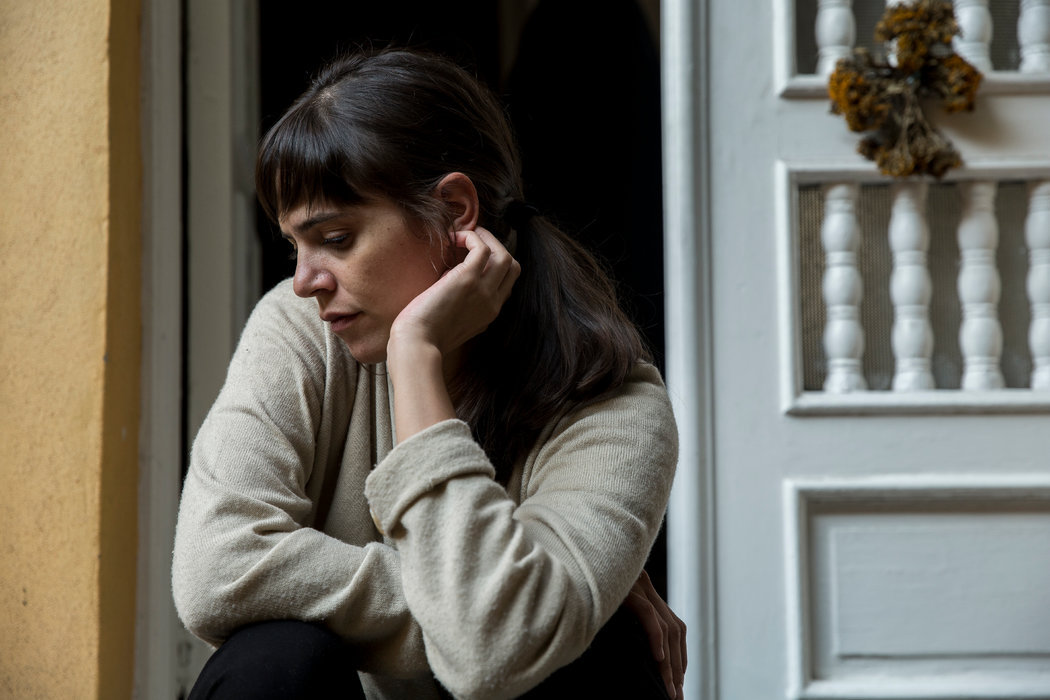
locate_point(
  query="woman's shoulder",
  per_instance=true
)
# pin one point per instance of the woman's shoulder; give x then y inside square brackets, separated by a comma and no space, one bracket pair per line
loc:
[285,320]
[635,415]
[640,400]
[283,332]
[642,390]
[287,365]
[645,377]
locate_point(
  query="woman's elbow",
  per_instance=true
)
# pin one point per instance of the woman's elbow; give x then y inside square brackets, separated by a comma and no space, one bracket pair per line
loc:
[508,659]
[203,602]
[200,615]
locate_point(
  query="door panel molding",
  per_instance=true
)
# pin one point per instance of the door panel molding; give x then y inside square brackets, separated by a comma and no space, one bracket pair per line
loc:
[864,555]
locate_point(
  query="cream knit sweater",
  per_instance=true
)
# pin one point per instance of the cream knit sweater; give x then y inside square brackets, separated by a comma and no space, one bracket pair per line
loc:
[297,506]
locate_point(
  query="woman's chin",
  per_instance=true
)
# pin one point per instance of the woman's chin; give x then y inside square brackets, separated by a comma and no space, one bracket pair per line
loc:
[365,352]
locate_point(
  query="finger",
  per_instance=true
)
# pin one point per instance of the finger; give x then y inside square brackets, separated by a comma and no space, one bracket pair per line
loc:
[674,636]
[656,630]
[501,263]
[668,675]
[478,252]
[488,237]
[651,623]
[676,643]
[507,283]
[471,238]
[685,655]
[670,662]
[500,270]
[666,664]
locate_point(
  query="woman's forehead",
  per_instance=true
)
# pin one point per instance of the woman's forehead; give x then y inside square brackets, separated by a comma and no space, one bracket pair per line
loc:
[307,206]
[312,212]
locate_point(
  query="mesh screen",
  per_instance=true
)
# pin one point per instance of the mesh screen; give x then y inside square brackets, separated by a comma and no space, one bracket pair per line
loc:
[875,263]
[1004,50]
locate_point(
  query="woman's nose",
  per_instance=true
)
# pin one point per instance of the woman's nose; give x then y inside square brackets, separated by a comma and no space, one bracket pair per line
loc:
[311,278]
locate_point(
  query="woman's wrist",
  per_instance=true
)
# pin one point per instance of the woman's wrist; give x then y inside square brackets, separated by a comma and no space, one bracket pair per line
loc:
[421,398]
[405,348]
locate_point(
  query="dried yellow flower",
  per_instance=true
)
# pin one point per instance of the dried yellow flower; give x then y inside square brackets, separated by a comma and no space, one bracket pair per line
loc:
[875,95]
[857,98]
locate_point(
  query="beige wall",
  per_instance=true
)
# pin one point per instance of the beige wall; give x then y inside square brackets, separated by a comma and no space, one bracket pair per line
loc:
[69,346]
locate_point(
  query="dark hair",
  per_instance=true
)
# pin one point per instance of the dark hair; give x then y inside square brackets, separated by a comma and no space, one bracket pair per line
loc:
[392,124]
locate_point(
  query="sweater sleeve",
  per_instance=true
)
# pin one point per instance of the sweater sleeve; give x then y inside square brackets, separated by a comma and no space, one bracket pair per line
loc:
[506,594]
[245,550]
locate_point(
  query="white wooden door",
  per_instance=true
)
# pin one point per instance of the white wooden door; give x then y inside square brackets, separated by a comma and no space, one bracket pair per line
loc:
[863,505]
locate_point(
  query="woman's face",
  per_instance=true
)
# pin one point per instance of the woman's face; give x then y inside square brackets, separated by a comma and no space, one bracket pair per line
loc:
[363,263]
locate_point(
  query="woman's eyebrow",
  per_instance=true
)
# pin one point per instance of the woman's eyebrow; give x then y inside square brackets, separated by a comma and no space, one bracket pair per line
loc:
[316,219]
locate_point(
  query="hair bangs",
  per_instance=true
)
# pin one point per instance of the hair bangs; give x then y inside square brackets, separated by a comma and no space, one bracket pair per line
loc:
[303,161]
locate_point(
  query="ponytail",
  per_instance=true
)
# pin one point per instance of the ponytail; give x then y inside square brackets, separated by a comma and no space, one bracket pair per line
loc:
[560,340]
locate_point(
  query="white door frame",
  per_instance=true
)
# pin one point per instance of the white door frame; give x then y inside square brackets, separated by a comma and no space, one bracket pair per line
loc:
[158,633]
[222,100]
[687,279]
[222,269]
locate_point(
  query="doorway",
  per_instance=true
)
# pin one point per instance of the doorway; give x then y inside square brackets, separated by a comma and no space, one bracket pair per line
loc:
[582,84]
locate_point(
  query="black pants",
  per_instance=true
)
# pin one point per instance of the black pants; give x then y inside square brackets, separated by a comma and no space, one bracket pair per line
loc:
[290,660]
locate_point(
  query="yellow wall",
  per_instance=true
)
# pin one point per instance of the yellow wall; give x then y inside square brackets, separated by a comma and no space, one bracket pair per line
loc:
[69,346]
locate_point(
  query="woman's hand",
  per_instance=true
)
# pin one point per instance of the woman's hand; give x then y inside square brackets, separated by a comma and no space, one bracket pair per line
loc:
[426,335]
[665,630]
[464,301]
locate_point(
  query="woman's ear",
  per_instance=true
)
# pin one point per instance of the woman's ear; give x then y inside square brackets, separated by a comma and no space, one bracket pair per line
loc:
[458,193]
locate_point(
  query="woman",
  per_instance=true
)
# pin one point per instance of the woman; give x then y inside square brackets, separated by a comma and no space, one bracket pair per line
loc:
[439,452]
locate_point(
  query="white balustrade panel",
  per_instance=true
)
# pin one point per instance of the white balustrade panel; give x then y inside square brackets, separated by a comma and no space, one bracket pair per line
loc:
[981,335]
[836,32]
[1033,36]
[975,33]
[842,287]
[910,288]
[1037,236]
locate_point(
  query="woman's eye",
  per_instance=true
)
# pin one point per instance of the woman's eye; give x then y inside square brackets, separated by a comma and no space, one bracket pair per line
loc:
[335,240]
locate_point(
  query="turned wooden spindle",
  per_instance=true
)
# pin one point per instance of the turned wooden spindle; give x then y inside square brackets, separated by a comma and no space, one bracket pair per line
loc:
[975,33]
[843,334]
[836,32]
[1033,36]
[911,288]
[1037,236]
[981,335]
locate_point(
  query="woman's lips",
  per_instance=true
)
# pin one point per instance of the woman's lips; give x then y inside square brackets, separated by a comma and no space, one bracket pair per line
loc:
[341,323]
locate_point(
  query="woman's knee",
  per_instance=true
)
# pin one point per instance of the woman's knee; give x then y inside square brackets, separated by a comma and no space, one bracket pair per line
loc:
[618,663]
[284,659]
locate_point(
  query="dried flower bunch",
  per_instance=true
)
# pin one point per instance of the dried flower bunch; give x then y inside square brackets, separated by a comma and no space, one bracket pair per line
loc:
[883,97]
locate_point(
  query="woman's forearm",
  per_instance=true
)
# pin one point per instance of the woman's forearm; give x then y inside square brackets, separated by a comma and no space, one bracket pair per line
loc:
[427,338]
[421,398]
